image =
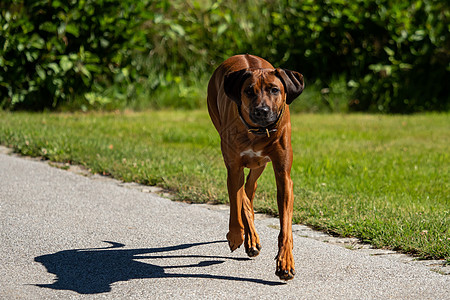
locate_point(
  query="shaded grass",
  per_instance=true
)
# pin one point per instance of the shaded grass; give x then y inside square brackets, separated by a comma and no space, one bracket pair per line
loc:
[383,179]
[190,94]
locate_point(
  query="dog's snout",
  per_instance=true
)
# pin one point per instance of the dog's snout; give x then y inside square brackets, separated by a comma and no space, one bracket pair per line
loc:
[261,112]
[262,115]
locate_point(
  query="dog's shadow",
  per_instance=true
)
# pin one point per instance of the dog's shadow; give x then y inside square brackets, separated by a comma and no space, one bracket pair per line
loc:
[92,271]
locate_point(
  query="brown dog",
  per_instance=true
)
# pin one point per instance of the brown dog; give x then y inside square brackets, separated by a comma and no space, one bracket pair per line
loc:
[247,100]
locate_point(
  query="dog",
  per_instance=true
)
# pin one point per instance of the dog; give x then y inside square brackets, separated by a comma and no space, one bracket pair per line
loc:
[248,103]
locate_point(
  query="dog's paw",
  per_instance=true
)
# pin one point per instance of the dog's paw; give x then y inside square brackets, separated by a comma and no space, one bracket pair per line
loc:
[235,240]
[253,251]
[252,243]
[285,274]
[285,268]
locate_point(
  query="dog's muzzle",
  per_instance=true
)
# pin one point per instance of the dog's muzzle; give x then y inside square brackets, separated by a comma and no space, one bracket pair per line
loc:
[262,115]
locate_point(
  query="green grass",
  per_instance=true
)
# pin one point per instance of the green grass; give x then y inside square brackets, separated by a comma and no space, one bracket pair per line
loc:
[383,179]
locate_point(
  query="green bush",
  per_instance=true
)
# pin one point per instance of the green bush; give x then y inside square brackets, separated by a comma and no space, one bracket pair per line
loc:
[55,51]
[394,54]
[189,39]
[383,55]
[412,71]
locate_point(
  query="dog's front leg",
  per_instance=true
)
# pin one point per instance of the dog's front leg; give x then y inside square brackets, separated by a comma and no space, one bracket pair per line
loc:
[236,193]
[252,242]
[285,268]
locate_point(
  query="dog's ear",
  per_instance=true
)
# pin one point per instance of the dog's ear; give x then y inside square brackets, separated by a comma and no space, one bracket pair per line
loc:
[293,83]
[233,84]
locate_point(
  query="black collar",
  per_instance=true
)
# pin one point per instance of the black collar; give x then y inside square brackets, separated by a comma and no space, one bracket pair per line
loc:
[262,130]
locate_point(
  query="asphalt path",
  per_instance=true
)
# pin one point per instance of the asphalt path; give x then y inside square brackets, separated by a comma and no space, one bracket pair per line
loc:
[67,236]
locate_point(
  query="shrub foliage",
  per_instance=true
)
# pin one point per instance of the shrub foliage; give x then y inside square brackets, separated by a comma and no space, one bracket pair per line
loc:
[54,50]
[393,55]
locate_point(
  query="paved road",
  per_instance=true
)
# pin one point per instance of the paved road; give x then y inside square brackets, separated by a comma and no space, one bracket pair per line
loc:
[65,236]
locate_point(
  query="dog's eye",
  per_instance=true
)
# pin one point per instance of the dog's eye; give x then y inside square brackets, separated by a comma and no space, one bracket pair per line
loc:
[274,90]
[250,92]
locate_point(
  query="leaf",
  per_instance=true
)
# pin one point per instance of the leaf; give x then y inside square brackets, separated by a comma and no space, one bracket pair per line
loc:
[7,16]
[389,51]
[61,29]
[48,26]
[178,29]
[221,29]
[85,71]
[73,30]
[65,63]
[93,68]
[96,98]
[40,72]
[104,42]
[37,42]
[31,56]
[54,67]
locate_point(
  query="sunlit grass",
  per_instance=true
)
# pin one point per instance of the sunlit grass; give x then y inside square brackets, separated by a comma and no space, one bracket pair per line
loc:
[384,179]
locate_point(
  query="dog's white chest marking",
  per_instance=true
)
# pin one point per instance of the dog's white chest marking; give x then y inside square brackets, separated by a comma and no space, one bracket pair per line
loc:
[250,153]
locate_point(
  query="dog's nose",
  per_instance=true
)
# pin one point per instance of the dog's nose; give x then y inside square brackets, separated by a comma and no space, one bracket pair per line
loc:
[261,113]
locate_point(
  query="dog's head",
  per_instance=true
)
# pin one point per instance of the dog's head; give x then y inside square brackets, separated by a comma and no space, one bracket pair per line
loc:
[261,93]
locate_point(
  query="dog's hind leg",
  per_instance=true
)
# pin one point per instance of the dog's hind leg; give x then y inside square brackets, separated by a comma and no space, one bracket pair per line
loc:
[252,242]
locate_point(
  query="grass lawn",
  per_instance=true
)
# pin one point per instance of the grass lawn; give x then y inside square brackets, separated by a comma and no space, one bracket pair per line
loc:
[383,179]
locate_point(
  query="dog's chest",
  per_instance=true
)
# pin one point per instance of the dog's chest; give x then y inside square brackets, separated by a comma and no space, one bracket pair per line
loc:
[251,153]
[253,159]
